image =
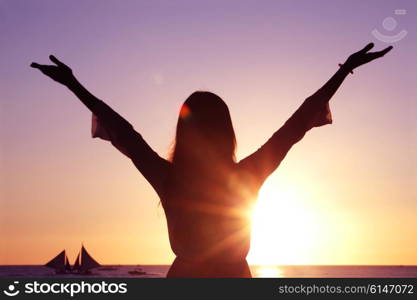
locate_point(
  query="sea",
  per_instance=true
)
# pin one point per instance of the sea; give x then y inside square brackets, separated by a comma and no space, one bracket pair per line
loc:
[157,271]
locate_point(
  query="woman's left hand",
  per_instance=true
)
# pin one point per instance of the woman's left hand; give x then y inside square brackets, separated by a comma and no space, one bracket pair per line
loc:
[59,72]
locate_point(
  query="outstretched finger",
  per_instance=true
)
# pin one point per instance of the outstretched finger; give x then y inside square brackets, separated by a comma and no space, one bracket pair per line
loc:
[35,65]
[367,48]
[56,61]
[385,51]
[378,54]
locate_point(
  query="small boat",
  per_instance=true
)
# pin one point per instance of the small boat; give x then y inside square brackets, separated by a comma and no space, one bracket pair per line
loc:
[137,272]
[83,264]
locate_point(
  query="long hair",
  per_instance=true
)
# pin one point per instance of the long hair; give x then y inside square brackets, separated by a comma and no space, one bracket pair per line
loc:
[205,142]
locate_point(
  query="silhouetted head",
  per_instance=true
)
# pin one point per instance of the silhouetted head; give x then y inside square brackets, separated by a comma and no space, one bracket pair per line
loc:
[203,152]
[204,134]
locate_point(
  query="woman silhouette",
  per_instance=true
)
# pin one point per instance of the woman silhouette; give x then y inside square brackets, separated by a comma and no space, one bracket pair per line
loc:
[207,196]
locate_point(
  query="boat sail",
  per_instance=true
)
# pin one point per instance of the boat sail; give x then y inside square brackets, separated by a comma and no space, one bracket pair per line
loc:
[59,263]
[67,264]
[83,263]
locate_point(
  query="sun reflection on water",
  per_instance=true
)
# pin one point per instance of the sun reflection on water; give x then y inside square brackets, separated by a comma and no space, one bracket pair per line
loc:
[269,271]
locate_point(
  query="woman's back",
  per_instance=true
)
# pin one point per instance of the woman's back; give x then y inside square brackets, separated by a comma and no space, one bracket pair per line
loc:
[208,219]
[209,216]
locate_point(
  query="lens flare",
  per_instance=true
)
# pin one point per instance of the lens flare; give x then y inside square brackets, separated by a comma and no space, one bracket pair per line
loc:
[185,112]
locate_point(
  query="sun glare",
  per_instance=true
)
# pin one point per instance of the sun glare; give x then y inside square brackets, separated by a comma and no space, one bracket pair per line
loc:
[284,230]
[268,272]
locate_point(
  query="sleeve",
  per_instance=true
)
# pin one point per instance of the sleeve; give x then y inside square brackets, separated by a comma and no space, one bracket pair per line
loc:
[260,164]
[110,126]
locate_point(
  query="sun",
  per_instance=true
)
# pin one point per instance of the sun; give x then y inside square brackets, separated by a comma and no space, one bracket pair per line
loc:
[284,229]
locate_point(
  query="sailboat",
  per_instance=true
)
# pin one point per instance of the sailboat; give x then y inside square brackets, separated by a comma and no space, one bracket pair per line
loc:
[83,264]
[60,263]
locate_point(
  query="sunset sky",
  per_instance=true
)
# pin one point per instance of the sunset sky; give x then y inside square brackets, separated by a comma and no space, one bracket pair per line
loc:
[346,194]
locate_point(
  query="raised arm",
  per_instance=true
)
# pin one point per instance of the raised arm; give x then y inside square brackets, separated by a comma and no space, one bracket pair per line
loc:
[313,112]
[109,125]
[325,93]
[62,74]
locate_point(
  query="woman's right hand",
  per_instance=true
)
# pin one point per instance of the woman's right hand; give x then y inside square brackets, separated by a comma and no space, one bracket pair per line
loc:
[59,72]
[364,56]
